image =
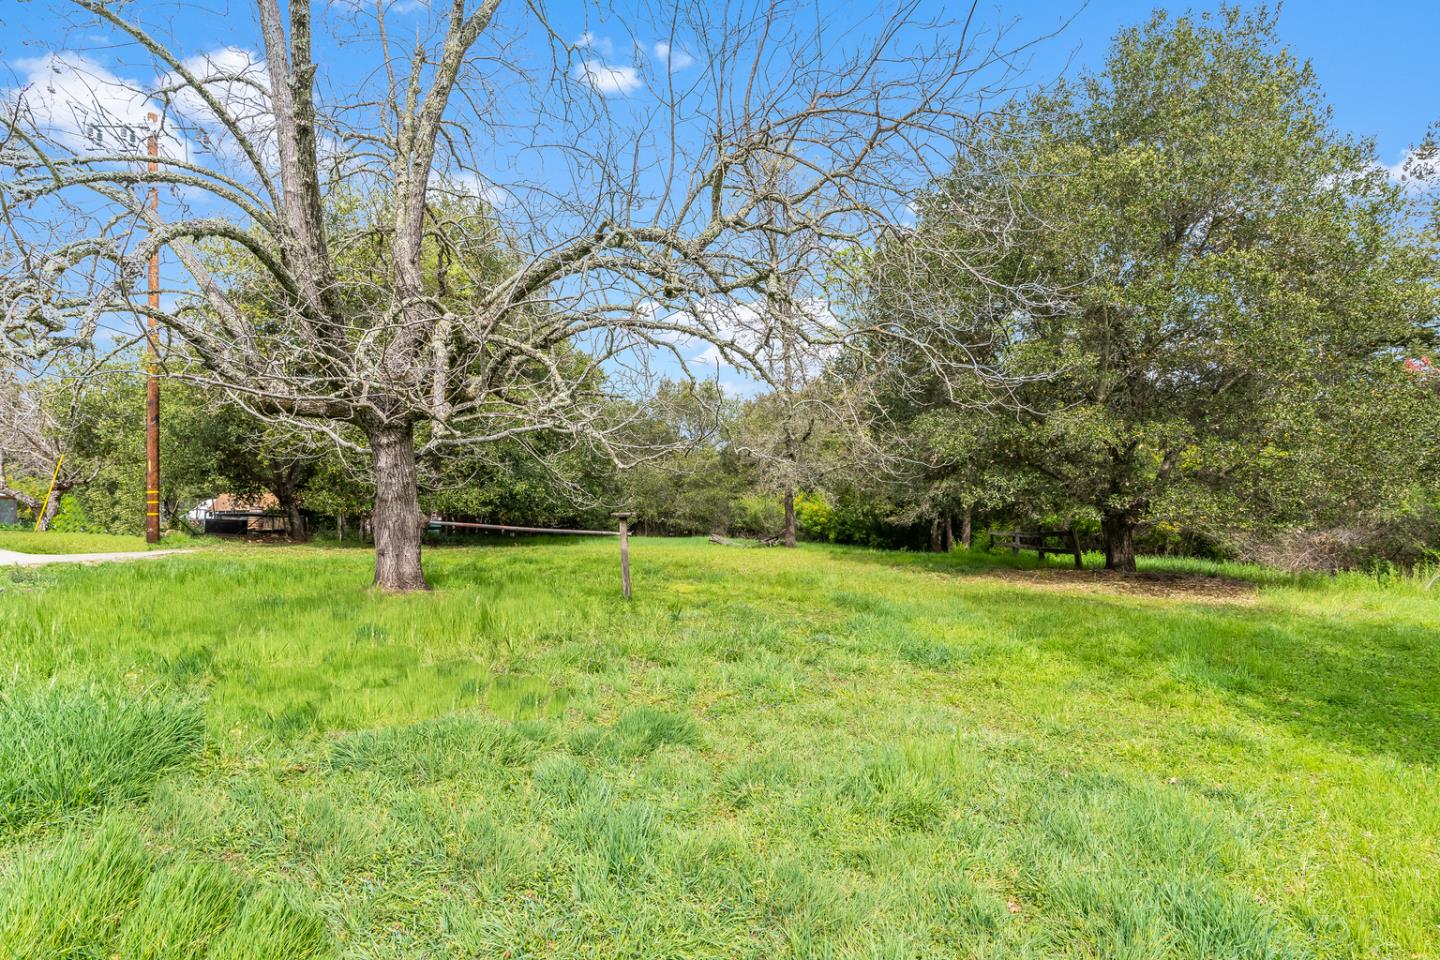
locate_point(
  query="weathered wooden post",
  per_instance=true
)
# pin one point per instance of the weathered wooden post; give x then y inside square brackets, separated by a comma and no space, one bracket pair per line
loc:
[624,552]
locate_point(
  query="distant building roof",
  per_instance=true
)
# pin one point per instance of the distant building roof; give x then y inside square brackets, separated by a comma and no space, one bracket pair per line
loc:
[227,502]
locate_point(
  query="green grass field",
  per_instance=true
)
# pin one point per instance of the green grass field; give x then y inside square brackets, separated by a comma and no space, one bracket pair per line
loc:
[830,752]
[52,541]
[58,541]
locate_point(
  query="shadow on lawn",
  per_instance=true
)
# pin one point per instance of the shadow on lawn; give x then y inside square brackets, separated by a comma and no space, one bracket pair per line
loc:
[998,562]
[1368,687]
[1365,683]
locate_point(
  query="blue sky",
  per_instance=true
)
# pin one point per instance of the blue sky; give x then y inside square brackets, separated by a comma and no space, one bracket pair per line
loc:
[1373,61]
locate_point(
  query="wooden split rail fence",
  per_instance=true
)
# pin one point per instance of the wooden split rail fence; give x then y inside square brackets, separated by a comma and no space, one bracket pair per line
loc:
[1041,541]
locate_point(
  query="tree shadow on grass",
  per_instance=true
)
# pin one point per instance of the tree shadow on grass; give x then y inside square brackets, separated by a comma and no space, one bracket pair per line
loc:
[1367,683]
[1367,686]
[980,561]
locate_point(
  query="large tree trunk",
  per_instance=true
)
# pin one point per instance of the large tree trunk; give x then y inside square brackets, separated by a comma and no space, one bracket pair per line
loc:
[949,533]
[1119,531]
[283,485]
[789,517]
[935,535]
[290,506]
[397,521]
[967,521]
[294,519]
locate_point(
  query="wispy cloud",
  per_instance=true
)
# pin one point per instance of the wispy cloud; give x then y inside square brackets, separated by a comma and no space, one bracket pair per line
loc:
[1415,168]
[82,104]
[609,79]
[673,57]
[239,82]
[601,45]
[470,184]
[710,357]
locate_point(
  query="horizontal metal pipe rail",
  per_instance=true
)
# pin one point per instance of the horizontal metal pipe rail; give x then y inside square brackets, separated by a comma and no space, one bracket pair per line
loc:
[504,528]
[623,533]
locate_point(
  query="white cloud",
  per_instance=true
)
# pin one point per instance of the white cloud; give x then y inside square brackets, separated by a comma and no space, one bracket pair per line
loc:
[233,74]
[470,184]
[1416,167]
[672,57]
[238,80]
[607,79]
[81,104]
[709,357]
[601,45]
[723,319]
[746,325]
[85,106]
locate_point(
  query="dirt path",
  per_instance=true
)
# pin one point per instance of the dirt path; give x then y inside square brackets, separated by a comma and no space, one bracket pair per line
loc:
[9,558]
[1147,583]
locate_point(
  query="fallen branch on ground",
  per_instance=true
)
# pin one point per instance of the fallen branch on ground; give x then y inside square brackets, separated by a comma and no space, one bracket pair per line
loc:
[728,542]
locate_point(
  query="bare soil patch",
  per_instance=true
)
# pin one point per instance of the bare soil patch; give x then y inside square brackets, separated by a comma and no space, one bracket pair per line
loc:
[1164,585]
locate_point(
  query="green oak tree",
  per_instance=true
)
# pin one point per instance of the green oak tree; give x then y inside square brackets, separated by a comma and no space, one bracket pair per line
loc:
[1227,275]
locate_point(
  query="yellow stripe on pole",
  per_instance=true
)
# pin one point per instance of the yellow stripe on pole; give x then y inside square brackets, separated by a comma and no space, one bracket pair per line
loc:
[40,517]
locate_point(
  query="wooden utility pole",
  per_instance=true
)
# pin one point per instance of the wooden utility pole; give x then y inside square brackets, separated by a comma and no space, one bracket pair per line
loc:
[152,381]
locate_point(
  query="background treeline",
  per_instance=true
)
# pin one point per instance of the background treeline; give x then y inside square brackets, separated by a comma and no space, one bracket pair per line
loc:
[1206,325]
[862,495]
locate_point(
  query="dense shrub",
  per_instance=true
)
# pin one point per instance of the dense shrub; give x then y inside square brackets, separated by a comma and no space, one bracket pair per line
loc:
[759,514]
[855,518]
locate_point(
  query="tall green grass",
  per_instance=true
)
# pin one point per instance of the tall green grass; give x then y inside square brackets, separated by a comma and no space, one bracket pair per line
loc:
[63,750]
[26,540]
[766,753]
[1419,580]
[54,541]
[108,895]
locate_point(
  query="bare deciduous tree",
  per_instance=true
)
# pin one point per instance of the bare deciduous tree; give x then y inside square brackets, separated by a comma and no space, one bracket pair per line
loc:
[373,303]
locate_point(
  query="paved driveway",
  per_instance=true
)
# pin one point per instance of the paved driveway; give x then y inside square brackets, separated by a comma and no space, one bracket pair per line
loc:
[9,558]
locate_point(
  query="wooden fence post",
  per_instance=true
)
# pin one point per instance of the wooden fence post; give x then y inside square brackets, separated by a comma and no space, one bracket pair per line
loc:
[624,552]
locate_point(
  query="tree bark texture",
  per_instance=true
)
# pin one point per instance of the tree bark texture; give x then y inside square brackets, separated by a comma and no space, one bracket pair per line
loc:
[397,521]
[1119,532]
[789,518]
